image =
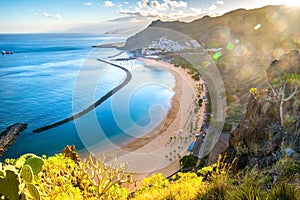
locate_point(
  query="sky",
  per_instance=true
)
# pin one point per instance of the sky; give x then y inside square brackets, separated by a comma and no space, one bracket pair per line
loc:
[30,16]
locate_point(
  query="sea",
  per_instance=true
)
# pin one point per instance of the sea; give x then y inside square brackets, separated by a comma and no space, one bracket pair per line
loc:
[50,77]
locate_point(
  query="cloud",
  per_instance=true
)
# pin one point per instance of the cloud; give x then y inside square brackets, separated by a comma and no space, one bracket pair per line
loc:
[148,14]
[165,10]
[164,5]
[88,4]
[156,5]
[212,7]
[109,4]
[51,16]
[58,16]
[176,4]
[143,4]
[220,2]
[47,15]
[196,10]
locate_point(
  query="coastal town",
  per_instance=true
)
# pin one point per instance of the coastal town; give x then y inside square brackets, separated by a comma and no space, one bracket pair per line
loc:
[150,99]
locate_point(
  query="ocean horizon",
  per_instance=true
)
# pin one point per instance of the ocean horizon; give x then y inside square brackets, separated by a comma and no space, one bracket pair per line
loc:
[40,85]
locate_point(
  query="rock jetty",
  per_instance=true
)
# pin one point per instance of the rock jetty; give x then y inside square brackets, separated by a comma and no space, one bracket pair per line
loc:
[8,136]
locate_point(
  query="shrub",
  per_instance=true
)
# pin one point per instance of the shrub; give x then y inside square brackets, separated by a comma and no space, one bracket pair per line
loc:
[187,186]
[227,127]
[59,177]
[217,188]
[246,191]
[286,167]
[187,161]
[153,187]
[283,191]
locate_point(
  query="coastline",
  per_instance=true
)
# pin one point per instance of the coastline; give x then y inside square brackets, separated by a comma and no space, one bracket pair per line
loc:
[152,153]
[158,130]
[9,135]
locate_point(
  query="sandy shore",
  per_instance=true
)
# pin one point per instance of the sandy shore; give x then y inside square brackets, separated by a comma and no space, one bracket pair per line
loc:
[160,150]
[177,124]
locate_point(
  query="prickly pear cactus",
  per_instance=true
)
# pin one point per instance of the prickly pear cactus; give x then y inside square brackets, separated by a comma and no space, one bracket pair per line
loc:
[20,162]
[9,185]
[27,174]
[34,192]
[36,163]
[16,179]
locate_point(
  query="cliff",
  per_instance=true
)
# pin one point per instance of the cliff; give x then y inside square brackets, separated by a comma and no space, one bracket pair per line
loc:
[260,139]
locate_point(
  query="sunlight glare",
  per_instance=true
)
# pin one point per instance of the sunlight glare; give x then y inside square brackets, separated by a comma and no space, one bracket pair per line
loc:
[289,3]
[292,3]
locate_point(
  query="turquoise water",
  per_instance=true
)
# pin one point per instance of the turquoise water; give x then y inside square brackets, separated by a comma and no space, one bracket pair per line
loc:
[39,86]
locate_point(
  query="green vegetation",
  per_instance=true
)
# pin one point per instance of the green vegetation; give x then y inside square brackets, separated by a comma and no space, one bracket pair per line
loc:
[283,191]
[200,101]
[227,127]
[247,191]
[59,177]
[178,61]
[287,168]
[216,182]
[285,87]
[18,181]
[187,161]
[183,186]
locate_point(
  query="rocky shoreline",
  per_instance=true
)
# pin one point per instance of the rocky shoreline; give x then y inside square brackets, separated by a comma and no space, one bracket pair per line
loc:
[9,135]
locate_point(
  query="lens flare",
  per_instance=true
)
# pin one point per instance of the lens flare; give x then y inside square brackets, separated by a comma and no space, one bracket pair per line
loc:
[217,55]
[230,46]
[292,3]
[257,26]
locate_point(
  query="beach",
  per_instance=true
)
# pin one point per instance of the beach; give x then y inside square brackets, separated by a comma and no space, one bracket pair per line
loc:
[159,151]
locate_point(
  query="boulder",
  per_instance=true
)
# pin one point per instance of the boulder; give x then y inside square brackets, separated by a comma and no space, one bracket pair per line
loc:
[70,152]
[9,135]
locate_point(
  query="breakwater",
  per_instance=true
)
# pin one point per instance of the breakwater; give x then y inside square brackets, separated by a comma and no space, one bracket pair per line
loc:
[94,105]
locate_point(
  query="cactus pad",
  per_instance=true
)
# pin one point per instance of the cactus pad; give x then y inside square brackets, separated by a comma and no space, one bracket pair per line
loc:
[20,162]
[35,193]
[26,173]
[9,185]
[36,163]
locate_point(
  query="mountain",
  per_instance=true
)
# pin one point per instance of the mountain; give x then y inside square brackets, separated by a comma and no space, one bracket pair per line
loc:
[124,25]
[256,46]
[250,40]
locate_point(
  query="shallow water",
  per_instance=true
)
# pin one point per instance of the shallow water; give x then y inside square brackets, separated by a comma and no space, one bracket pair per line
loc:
[40,84]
